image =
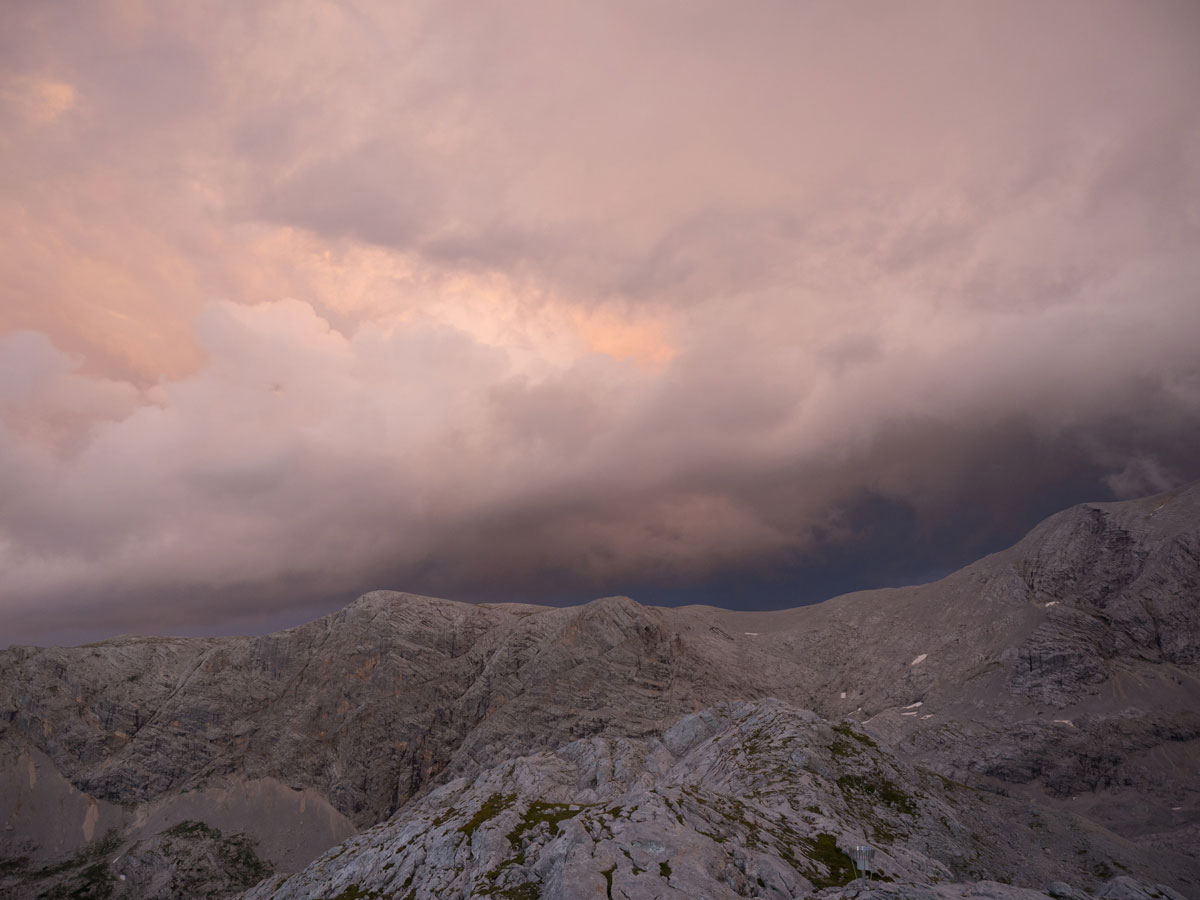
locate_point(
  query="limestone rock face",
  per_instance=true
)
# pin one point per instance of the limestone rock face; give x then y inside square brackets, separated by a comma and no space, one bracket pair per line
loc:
[748,799]
[1062,672]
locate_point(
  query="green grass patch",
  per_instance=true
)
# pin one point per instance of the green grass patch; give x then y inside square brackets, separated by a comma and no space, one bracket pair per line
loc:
[878,788]
[492,807]
[848,742]
[845,730]
[841,749]
[192,828]
[444,817]
[839,867]
[537,813]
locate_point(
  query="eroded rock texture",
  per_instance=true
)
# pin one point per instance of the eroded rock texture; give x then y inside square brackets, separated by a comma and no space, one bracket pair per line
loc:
[748,799]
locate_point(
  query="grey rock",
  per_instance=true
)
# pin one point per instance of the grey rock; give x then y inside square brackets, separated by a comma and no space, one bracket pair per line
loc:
[1125,888]
[719,814]
[1060,890]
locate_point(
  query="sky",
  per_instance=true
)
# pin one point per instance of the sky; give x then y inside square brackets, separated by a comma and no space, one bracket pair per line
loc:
[742,304]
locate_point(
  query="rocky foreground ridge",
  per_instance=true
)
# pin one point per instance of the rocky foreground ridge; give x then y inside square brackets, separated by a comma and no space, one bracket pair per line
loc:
[749,799]
[1060,677]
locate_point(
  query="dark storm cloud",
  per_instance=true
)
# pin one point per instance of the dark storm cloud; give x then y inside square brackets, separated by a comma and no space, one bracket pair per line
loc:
[542,301]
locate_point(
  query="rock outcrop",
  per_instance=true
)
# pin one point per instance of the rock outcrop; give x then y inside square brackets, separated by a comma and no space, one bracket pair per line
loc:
[744,800]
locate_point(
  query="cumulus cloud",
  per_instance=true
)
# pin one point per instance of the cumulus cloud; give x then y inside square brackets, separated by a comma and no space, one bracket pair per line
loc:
[531,299]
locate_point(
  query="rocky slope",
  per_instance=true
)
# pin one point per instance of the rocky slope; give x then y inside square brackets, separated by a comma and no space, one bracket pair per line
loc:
[745,800]
[1064,667]
[1063,672]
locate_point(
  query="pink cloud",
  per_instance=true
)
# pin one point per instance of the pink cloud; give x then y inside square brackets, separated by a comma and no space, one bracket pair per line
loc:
[316,293]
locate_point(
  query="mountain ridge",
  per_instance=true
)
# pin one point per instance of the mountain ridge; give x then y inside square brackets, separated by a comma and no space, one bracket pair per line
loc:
[1062,670]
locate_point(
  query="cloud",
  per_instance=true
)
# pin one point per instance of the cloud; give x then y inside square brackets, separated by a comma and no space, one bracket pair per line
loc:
[38,102]
[544,299]
[303,454]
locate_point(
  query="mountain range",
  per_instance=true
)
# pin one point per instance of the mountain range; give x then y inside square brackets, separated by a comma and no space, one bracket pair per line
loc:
[1028,726]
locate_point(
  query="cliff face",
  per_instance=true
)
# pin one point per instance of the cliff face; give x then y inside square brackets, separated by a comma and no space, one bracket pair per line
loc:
[1064,670]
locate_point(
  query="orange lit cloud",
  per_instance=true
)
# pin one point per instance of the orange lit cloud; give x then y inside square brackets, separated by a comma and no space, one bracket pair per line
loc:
[37,101]
[621,336]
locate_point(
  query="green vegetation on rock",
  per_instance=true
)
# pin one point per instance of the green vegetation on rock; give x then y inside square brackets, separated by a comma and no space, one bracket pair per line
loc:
[492,807]
[839,867]
[877,788]
[539,812]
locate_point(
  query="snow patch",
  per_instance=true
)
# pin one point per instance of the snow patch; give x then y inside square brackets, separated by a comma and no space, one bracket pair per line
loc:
[913,713]
[919,703]
[920,659]
[1066,722]
[752,633]
[927,716]
[1051,603]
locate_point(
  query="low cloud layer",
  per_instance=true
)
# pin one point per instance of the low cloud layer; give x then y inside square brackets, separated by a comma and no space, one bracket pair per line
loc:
[531,302]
